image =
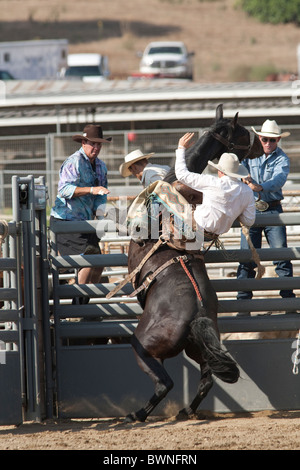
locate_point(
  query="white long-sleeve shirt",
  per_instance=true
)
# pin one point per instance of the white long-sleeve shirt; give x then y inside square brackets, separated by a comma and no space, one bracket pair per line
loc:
[224,199]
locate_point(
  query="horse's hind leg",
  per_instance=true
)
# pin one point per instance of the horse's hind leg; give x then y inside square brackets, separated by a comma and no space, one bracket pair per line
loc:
[163,383]
[204,387]
[205,348]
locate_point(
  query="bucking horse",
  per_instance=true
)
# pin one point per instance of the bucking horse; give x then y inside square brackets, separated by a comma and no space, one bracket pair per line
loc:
[179,302]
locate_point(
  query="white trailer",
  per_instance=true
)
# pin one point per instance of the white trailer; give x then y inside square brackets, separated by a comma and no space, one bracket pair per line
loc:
[86,67]
[34,60]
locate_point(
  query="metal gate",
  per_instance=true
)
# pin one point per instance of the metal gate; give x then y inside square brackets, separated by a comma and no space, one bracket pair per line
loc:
[25,337]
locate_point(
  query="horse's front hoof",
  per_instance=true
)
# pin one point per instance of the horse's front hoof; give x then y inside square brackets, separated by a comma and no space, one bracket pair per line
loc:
[131,418]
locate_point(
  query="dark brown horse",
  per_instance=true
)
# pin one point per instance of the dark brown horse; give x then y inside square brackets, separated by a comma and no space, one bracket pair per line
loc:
[180,306]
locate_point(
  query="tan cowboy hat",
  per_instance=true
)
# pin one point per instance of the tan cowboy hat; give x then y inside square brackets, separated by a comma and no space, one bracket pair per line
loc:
[229,165]
[271,129]
[92,133]
[131,158]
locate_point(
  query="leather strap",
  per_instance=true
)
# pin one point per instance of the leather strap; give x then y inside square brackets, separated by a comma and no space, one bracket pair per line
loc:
[137,269]
[149,279]
[152,276]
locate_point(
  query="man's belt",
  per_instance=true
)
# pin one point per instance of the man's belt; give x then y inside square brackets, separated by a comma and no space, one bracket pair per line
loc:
[274,203]
[264,205]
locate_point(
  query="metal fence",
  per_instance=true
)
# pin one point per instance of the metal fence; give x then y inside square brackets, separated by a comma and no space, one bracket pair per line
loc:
[42,155]
[93,354]
[76,360]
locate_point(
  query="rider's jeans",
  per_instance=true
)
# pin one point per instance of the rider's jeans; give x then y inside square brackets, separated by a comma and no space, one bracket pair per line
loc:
[276,238]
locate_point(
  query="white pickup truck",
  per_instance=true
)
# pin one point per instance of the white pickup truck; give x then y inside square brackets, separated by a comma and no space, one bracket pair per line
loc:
[167,59]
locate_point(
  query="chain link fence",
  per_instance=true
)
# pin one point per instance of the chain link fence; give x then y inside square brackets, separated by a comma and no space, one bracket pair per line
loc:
[42,155]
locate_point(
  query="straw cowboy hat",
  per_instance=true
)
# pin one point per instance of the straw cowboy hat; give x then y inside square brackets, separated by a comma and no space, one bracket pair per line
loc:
[92,133]
[271,129]
[229,165]
[131,158]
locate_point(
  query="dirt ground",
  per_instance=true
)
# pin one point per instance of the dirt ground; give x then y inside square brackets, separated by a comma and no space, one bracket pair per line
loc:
[268,430]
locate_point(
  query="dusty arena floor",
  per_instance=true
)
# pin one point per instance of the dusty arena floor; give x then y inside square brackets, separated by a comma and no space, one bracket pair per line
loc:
[270,430]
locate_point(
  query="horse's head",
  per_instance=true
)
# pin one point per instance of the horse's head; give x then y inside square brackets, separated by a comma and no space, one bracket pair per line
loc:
[225,135]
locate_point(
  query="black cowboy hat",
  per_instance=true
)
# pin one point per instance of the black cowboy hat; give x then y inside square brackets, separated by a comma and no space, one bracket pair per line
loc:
[92,133]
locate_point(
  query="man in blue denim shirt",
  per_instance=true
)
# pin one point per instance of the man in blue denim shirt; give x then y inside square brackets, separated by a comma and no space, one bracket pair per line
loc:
[267,175]
[82,189]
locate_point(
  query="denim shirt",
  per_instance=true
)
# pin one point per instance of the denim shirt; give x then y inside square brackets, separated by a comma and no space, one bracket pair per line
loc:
[77,171]
[270,172]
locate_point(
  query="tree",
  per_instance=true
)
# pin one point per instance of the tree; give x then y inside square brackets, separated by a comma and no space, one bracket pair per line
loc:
[273,11]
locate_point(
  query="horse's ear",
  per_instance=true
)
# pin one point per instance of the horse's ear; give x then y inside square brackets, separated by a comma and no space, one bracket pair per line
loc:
[219,112]
[235,120]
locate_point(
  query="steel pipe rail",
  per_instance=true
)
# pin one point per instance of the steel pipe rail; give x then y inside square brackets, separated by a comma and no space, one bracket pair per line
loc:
[212,256]
[83,261]
[265,254]
[264,284]
[118,311]
[125,328]
[260,305]
[262,323]
[89,226]
[220,285]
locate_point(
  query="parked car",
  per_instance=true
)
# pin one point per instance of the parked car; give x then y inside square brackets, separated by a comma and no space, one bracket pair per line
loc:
[5,75]
[167,58]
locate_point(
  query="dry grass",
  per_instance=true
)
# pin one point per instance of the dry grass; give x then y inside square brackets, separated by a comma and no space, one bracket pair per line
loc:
[228,44]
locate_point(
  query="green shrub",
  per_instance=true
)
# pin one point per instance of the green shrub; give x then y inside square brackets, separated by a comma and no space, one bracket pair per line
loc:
[273,11]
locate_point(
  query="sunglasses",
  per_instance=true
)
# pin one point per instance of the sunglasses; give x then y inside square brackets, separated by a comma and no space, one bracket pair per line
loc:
[265,139]
[93,144]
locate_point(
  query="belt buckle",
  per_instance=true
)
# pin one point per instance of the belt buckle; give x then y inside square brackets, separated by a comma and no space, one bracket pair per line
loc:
[261,205]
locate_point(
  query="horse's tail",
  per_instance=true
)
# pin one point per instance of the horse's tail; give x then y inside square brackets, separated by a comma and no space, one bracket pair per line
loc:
[221,364]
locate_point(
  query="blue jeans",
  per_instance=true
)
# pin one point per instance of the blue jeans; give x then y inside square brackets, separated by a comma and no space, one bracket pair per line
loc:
[276,238]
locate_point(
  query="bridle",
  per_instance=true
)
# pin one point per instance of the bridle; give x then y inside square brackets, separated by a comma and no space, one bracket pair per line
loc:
[231,145]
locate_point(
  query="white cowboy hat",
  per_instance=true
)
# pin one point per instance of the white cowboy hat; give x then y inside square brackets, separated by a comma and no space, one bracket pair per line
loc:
[131,158]
[271,129]
[229,165]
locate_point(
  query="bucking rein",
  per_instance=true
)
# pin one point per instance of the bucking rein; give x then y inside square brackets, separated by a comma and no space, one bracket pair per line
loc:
[182,259]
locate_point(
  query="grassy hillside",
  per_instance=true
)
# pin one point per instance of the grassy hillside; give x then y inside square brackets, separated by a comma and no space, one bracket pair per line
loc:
[228,44]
